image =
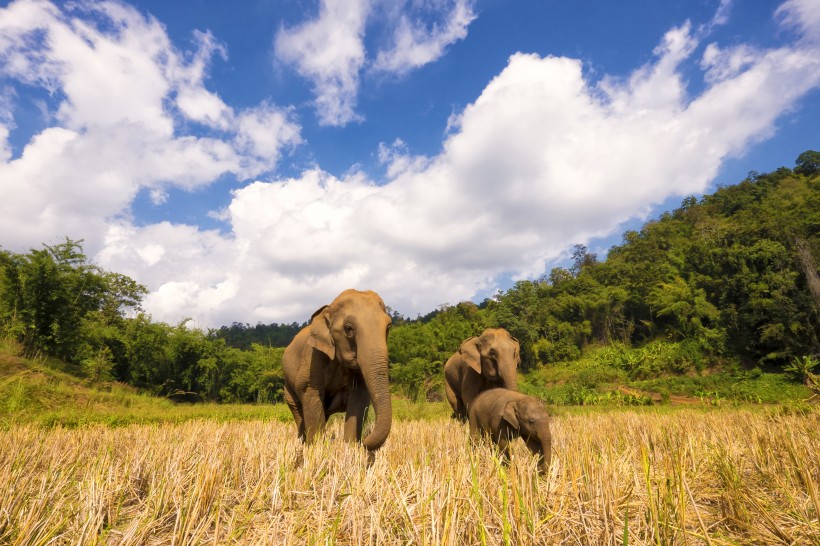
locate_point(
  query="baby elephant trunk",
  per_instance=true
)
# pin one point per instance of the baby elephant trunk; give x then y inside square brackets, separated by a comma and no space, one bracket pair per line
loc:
[541,445]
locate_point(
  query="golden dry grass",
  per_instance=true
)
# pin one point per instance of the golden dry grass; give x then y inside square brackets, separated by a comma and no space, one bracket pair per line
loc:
[729,477]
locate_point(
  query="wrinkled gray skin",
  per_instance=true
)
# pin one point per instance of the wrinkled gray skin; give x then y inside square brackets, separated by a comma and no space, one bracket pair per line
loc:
[505,415]
[484,362]
[338,363]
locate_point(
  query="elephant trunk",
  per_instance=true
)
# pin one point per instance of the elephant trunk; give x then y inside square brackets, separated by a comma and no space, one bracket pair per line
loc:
[509,375]
[546,447]
[373,364]
[542,446]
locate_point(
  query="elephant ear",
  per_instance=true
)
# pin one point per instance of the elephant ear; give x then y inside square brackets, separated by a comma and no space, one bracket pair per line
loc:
[516,351]
[510,415]
[469,352]
[320,338]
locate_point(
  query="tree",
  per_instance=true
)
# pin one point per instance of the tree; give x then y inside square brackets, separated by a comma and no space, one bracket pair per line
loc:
[581,259]
[807,163]
[48,296]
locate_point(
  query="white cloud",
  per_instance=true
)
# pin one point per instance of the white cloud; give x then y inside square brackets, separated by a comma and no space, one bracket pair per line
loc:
[329,50]
[803,15]
[263,131]
[414,44]
[193,99]
[187,269]
[122,94]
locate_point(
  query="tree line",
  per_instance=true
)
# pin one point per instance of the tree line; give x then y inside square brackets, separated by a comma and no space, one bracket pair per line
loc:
[60,306]
[731,276]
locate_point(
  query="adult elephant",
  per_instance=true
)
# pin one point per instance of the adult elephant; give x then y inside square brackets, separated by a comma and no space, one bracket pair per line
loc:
[338,363]
[484,362]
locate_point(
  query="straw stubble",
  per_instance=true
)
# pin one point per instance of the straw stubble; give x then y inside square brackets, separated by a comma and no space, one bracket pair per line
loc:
[728,477]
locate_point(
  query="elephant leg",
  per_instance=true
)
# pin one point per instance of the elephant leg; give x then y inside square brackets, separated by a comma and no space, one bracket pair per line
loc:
[504,449]
[357,401]
[503,437]
[475,432]
[469,391]
[313,413]
[460,410]
[451,396]
[296,410]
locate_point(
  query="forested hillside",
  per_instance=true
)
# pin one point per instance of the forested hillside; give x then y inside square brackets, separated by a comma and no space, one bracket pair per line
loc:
[728,281]
[721,281]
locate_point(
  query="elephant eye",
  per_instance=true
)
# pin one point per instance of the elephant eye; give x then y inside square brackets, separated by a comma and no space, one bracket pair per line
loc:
[348,329]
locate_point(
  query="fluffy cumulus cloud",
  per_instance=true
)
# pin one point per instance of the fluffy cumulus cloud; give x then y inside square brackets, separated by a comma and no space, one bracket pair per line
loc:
[542,159]
[122,94]
[329,50]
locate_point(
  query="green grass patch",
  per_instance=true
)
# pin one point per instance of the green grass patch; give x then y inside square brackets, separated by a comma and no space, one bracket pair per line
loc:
[35,392]
[584,382]
[617,375]
[407,410]
[754,387]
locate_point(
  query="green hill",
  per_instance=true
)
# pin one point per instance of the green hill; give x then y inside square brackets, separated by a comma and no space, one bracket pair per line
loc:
[33,392]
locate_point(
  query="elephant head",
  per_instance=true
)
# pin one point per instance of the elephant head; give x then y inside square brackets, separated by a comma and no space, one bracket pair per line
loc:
[530,419]
[495,355]
[352,331]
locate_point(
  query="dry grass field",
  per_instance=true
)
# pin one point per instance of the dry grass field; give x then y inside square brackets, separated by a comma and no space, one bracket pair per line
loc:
[626,477]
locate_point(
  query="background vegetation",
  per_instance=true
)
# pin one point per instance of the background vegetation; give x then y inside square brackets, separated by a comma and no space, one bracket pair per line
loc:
[718,300]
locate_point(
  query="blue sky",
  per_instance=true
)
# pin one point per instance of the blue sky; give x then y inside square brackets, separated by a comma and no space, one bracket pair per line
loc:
[247,161]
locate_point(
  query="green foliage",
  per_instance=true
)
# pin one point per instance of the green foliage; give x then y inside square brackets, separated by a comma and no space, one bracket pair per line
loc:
[807,163]
[418,378]
[31,392]
[46,297]
[801,368]
[563,349]
[729,386]
[58,305]
[242,336]
[419,349]
[259,376]
[653,359]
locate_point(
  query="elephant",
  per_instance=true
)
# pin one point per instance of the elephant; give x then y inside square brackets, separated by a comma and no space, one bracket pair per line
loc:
[483,362]
[505,415]
[338,363]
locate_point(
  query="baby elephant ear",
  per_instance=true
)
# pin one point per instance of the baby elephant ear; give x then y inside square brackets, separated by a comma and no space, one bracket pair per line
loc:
[469,352]
[510,414]
[320,338]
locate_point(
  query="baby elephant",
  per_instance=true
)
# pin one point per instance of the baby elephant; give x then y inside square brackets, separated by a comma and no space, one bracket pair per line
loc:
[505,415]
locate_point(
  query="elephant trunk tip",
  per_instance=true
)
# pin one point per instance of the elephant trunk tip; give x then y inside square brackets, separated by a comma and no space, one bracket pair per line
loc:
[383,423]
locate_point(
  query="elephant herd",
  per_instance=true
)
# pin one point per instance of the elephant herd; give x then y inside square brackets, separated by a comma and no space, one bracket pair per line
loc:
[339,363]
